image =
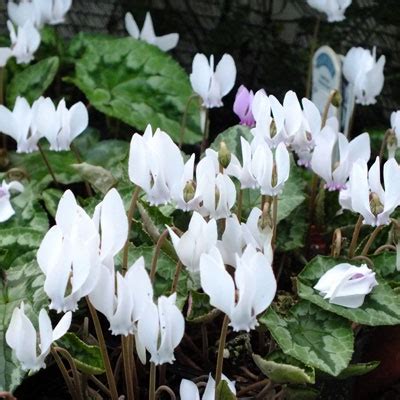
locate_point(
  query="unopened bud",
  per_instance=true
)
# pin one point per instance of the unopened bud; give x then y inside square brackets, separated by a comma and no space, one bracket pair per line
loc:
[396,231]
[336,100]
[224,155]
[272,129]
[375,204]
[217,196]
[391,143]
[189,191]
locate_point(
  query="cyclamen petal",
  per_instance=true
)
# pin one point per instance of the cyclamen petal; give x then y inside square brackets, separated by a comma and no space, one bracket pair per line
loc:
[334,9]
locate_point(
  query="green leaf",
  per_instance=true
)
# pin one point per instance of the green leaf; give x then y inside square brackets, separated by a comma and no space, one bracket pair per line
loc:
[231,137]
[51,197]
[313,336]
[135,82]
[38,174]
[284,373]
[358,369]
[200,309]
[87,358]
[23,281]
[98,177]
[223,392]
[380,307]
[32,81]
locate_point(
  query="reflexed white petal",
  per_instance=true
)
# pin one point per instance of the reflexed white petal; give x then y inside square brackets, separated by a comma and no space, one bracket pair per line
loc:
[201,75]
[62,327]
[147,34]
[188,390]
[79,119]
[225,73]
[131,26]
[149,328]
[45,331]
[167,42]
[102,296]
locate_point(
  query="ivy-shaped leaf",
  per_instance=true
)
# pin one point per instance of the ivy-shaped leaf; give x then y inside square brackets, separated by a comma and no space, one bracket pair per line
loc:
[380,307]
[313,336]
[32,81]
[135,82]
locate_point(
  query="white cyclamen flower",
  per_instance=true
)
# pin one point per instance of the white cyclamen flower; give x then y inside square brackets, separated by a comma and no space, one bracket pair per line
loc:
[209,85]
[24,43]
[366,194]
[362,70]
[217,191]
[23,11]
[155,165]
[61,126]
[189,390]
[334,156]
[271,170]
[160,329]
[20,124]
[164,43]
[254,280]
[21,336]
[111,220]
[122,299]
[347,285]
[270,120]
[395,124]
[334,9]
[6,209]
[53,11]
[69,255]
[200,237]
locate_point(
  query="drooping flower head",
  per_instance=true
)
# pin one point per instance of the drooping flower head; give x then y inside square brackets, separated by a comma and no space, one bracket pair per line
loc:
[334,9]
[164,43]
[365,73]
[346,285]
[243,106]
[212,85]
[6,209]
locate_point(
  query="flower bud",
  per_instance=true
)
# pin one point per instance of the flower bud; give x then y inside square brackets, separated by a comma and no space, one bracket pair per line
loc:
[189,191]
[375,204]
[272,129]
[391,143]
[265,220]
[224,155]
[336,99]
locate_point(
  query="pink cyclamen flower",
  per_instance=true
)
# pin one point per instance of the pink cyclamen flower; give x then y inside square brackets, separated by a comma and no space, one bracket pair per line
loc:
[242,106]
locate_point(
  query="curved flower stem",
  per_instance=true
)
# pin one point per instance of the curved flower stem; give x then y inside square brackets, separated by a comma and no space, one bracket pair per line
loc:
[314,42]
[78,157]
[100,385]
[133,366]
[167,389]
[356,234]
[239,205]
[371,239]
[274,219]
[103,348]
[64,373]
[364,259]
[152,382]
[384,247]
[206,132]
[383,145]
[131,212]
[221,347]
[176,276]
[336,243]
[156,254]
[75,373]
[127,367]
[46,162]
[184,118]
[326,108]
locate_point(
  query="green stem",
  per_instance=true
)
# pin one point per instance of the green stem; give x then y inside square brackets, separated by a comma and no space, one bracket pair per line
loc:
[127,367]
[176,276]
[355,236]
[371,239]
[205,133]
[103,348]
[314,42]
[131,212]
[156,254]
[152,382]
[274,219]
[46,161]
[221,347]
[184,119]
[65,374]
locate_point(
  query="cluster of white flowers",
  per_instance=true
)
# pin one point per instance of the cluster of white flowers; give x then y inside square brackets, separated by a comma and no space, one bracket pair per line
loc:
[29,16]
[27,125]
